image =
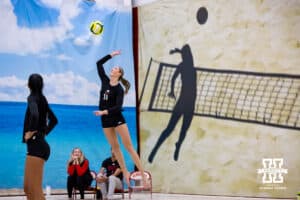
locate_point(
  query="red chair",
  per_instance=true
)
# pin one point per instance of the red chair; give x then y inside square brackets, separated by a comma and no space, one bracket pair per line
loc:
[136,183]
[120,191]
[90,189]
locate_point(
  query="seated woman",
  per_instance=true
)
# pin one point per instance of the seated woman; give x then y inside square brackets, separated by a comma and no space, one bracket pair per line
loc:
[79,173]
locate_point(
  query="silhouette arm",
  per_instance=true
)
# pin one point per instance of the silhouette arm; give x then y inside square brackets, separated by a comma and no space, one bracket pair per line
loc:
[176,50]
[176,73]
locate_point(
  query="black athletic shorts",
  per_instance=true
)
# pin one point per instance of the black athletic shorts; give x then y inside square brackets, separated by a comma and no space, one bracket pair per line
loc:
[38,147]
[112,121]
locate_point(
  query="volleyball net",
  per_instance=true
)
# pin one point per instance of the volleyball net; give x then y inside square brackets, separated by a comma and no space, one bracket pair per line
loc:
[264,98]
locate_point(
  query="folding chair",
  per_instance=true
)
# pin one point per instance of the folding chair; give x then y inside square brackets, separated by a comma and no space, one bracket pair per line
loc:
[120,191]
[90,189]
[136,183]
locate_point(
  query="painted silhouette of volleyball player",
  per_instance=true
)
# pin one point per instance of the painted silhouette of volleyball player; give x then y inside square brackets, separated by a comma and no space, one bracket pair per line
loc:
[186,102]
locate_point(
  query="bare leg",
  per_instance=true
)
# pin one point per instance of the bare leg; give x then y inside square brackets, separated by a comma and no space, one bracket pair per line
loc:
[27,183]
[112,138]
[125,136]
[33,178]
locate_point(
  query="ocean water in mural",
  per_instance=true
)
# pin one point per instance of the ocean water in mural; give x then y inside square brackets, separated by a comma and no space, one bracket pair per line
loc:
[77,127]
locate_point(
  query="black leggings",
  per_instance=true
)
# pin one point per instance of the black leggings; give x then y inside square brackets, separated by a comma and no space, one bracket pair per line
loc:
[79,182]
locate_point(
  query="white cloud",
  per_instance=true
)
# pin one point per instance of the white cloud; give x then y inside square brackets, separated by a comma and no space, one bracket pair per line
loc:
[13,89]
[39,39]
[53,3]
[44,38]
[85,41]
[11,82]
[69,88]
[68,10]
[44,55]
[81,41]
[120,5]
[60,88]
[63,57]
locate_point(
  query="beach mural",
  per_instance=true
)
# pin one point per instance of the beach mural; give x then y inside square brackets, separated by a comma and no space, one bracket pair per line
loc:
[53,38]
[219,96]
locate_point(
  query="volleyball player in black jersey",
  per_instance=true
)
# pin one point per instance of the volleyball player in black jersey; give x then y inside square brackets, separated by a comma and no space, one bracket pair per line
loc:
[39,121]
[110,110]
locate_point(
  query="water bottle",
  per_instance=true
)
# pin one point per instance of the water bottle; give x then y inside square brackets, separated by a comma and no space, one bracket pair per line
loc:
[48,190]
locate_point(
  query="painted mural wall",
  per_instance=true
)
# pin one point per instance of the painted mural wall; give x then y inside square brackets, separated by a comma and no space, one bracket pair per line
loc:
[53,38]
[219,96]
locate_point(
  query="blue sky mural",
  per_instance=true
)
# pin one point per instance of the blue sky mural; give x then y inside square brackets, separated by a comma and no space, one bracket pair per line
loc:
[52,37]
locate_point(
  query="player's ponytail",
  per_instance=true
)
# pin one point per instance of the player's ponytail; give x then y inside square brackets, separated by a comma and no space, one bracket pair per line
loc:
[124,82]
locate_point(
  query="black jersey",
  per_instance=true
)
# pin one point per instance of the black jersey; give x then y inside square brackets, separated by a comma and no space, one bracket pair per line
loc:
[111,97]
[110,167]
[38,117]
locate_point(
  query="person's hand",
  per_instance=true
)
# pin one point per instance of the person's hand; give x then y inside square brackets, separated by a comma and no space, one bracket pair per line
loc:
[100,112]
[76,161]
[114,53]
[29,134]
[101,178]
